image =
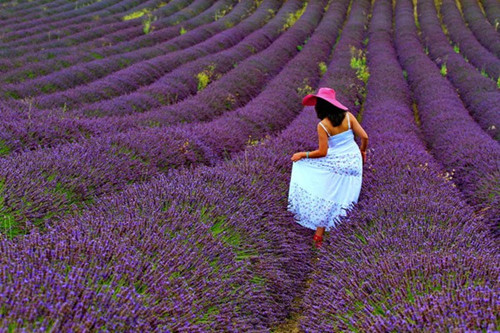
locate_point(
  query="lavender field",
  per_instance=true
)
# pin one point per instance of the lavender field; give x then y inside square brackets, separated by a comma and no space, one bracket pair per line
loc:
[145,161]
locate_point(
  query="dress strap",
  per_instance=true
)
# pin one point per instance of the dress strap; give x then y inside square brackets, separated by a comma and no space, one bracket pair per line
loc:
[348,121]
[324,128]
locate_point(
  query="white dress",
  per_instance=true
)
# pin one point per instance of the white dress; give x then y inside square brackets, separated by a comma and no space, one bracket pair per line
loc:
[323,189]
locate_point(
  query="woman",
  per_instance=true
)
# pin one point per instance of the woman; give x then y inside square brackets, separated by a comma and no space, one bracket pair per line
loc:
[327,181]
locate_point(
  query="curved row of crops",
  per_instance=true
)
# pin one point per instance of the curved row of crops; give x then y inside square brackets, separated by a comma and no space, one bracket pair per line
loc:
[145,160]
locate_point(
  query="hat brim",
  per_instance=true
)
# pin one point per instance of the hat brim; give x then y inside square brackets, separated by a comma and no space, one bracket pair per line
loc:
[310,100]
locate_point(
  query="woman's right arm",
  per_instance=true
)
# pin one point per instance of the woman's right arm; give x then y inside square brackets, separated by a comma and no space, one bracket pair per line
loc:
[359,131]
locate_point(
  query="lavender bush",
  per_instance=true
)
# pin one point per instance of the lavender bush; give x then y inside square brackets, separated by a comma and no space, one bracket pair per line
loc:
[76,75]
[492,9]
[24,11]
[185,80]
[398,263]
[479,25]
[129,36]
[152,219]
[156,149]
[167,260]
[470,156]
[480,57]
[145,72]
[42,134]
[38,25]
[480,94]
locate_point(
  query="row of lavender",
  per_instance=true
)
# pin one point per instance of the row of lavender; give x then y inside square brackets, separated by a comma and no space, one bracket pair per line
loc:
[21,10]
[400,263]
[100,41]
[469,155]
[252,164]
[16,12]
[118,24]
[88,72]
[74,173]
[468,45]
[40,127]
[492,11]
[140,254]
[145,73]
[485,33]
[19,134]
[480,94]
[24,11]
[15,34]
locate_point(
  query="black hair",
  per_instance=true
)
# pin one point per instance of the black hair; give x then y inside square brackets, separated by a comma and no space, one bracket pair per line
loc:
[325,109]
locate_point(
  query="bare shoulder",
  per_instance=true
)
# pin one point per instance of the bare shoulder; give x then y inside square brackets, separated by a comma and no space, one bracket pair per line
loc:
[352,118]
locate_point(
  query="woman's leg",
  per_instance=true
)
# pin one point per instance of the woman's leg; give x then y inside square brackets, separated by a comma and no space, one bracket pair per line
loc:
[320,231]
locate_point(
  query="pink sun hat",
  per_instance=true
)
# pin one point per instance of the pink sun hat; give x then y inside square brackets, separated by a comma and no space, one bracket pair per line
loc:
[328,94]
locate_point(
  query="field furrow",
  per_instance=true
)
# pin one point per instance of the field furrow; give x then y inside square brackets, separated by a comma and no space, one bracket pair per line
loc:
[398,259]
[115,34]
[146,155]
[492,9]
[87,165]
[467,43]
[486,34]
[470,157]
[89,72]
[480,94]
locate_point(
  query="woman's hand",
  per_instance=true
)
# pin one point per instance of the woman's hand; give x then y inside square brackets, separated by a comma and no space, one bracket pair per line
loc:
[298,156]
[363,155]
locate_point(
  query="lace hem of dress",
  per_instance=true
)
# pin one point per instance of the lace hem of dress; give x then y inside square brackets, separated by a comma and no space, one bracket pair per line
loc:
[341,165]
[311,211]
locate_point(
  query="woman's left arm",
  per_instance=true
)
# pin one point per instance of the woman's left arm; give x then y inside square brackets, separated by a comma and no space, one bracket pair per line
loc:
[320,152]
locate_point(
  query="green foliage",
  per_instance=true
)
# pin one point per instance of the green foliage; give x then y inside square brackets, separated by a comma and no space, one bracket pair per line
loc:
[415,14]
[222,12]
[445,29]
[205,77]
[203,80]
[498,82]
[8,224]
[136,14]
[146,24]
[483,73]
[12,94]
[358,62]
[416,115]
[322,68]
[271,12]
[305,88]
[4,149]
[293,17]
[456,48]
[96,55]
[48,88]
[443,70]
[182,31]
[258,280]
[208,315]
